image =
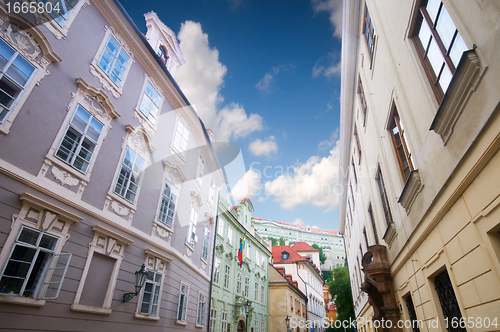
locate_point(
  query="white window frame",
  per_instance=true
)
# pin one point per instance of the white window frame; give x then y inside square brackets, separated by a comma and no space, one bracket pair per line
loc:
[211,194]
[256,325]
[34,214]
[262,294]
[247,287]
[191,238]
[150,120]
[107,243]
[206,243]
[21,49]
[220,227]
[230,235]
[217,267]
[181,316]
[156,286]
[59,30]
[213,320]
[200,310]
[223,325]
[227,276]
[256,293]
[239,283]
[173,190]
[181,134]
[127,185]
[157,263]
[106,82]
[200,169]
[262,326]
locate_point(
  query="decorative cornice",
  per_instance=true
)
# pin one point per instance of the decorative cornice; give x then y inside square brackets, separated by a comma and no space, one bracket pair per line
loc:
[412,188]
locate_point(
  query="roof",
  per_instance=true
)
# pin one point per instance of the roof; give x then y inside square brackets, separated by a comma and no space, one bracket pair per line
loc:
[331,306]
[312,229]
[302,246]
[292,258]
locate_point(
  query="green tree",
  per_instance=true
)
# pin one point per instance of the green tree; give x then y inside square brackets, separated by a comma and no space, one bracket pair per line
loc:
[327,276]
[322,256]
[282,241]
[340,288]
[273,241]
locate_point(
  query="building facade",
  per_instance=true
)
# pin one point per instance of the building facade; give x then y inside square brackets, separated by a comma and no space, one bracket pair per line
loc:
[419,140]
[286,301]
[330,241]
[232,284]
[309,280]
[101,173]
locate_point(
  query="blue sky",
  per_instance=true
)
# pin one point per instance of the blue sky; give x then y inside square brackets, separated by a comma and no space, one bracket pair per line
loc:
[265,74]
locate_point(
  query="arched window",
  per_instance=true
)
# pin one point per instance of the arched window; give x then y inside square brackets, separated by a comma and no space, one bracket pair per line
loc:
[162,53]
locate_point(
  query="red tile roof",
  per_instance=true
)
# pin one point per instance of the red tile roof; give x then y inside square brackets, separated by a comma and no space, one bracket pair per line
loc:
[293,256]
[331,307]
[302,228]
[302,246]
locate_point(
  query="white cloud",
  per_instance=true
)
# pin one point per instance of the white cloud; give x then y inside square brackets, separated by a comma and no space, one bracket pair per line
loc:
[315,183]
[202,78]
[266,83]
[329,69]
[248,186]
[328,143]
[267,148]
[298,222]
[334,8]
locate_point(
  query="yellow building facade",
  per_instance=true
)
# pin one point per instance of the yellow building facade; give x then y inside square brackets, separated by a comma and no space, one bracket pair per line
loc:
[285,301]
[420,124]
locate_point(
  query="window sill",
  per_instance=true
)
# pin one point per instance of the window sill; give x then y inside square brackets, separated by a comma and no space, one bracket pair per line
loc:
[178,322]
[463,83]
[15,299]
[90,309]
[162,230]
[147,317]
[61,164]
[198,326]
[105,81]
[390,234]
[412,188]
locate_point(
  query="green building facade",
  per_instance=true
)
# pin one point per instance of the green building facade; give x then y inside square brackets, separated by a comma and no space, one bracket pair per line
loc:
[232,285]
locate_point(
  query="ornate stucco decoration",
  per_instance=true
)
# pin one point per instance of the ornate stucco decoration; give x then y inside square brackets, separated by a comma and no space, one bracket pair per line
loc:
[162,232]
[174,173]
[120,209]
[196,200]
[64,177]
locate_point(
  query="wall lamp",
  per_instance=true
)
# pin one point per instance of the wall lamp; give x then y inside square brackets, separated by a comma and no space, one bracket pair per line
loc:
[140,279]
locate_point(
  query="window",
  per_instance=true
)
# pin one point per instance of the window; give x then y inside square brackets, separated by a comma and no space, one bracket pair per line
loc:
[224,322]
[227,276]
[256,325]
[220,227]
[372,221]
[354,172]
[439,45]
[262,326]
[181,138]
[127,183]
[151,102]
[31,261]
[217,270]
[114,60]
[256,292]
[402,150]
[162,53]
[183,301]
[213,320]
[362,99]
[383,196]
[151,294]
[65,10]
[15,72]
[369,33]
[248,251]
[412,314]
[230,235]
[167,205]
[358,144]
[206,240]
[211,195]
[80,141]
[448,301]
[199,171]
[247,286]
[200,316]
[191,236]
[238,283]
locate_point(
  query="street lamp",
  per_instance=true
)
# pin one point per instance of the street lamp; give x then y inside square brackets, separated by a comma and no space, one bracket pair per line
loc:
[140,279]
[247,310]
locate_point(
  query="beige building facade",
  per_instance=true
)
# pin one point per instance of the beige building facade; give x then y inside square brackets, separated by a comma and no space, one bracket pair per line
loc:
[419,140]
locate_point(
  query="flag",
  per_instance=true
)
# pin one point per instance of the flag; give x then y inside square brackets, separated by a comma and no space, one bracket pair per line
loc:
[241,256]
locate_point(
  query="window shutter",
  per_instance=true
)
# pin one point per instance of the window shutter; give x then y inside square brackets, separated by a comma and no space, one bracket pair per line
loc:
[55,276]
